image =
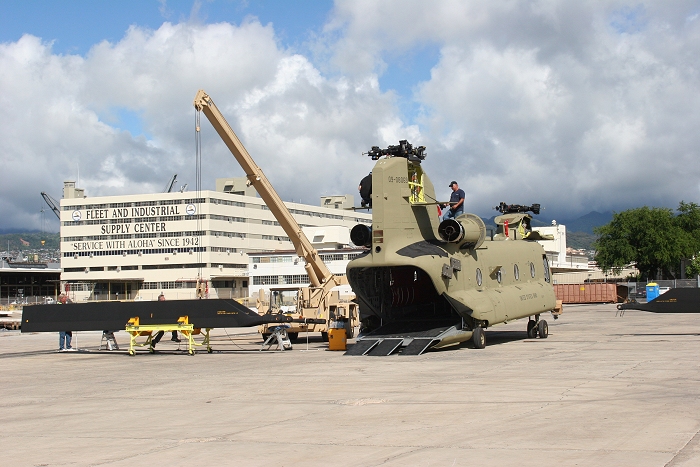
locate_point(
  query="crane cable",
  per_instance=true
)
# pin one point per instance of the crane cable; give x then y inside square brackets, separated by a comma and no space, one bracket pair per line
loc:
[198,193]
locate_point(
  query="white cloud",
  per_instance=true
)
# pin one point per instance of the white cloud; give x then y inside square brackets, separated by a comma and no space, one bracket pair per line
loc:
[305,130]
[576,105]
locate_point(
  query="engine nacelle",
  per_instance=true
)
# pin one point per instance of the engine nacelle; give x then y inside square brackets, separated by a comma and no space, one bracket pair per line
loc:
[468,230]
[361,235]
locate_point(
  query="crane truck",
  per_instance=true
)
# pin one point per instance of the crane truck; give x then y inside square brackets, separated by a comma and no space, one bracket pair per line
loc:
[318,300]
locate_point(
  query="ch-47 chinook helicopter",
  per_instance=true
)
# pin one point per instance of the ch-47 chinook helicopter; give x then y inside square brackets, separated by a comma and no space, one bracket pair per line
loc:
[429,284]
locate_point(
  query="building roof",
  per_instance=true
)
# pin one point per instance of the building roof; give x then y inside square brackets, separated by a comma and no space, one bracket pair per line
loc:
[22,266]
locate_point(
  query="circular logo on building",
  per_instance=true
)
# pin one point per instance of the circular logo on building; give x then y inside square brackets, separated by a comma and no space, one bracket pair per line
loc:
[76,216]
[191,209]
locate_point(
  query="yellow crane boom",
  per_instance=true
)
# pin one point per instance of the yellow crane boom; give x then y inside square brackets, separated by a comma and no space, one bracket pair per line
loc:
[319,274]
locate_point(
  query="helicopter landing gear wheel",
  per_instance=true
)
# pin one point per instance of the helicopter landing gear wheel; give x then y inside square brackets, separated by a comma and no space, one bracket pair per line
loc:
[543,329]
[479,338]
[349,330]
[532,329]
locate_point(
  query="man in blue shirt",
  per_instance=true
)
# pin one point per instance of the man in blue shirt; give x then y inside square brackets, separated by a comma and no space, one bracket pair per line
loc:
[456,205]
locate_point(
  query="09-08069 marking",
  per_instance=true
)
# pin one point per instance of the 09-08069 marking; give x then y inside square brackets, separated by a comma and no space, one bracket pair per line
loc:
[391,179]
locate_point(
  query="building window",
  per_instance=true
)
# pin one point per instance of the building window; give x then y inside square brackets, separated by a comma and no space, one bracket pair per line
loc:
[217,217]
[228,188]
[174,266]
[332,257]
[265,280]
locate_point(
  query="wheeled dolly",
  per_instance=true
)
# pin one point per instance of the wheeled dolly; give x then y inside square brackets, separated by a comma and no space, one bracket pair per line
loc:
[135,329]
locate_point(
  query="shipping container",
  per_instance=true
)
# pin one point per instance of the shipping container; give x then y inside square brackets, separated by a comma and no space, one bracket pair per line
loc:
[590,293]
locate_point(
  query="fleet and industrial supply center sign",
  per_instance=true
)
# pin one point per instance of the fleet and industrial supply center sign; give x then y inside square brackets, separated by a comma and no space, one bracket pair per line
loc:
[133,220]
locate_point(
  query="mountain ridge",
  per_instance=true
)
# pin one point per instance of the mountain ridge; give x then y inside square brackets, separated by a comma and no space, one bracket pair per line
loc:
[587,222]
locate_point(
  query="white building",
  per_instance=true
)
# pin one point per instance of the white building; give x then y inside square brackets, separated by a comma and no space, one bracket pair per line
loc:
[284,269]
[135,246]
[559,260]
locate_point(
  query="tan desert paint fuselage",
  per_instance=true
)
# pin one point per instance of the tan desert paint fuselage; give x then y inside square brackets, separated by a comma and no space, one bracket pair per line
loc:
[411,274]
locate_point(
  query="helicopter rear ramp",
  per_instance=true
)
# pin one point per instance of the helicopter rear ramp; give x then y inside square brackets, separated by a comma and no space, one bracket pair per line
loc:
[407,338]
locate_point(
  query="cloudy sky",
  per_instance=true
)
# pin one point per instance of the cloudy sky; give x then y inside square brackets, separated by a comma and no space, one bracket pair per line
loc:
[578,106]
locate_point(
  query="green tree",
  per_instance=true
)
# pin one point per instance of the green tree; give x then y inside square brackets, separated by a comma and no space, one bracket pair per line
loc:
[688,220]
[650,237]
[693,269]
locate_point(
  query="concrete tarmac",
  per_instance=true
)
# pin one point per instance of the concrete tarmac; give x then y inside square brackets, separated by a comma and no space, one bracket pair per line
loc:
[600,391]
